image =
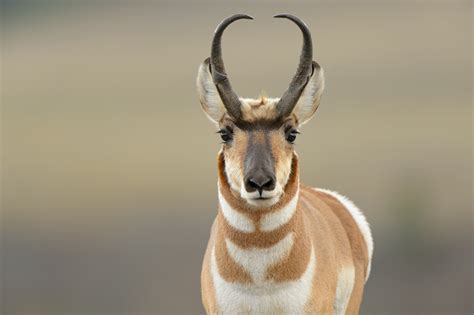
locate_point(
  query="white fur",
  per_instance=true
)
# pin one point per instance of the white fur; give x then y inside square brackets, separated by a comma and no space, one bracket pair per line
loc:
[234,175]
[360,220]
[310,97]
[208,94]
[236,219]
[345,284]
[272,196]
[280,217]
[267,298]
[257,260]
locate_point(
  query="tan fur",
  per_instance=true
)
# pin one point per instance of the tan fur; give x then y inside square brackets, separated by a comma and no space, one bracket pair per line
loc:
[229,270]
[282,153]
[358,248]
[262,108]
[207,287]
[234,155]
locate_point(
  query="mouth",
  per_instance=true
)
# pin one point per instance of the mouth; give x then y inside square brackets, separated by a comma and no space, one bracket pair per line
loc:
[262,201]
[263,198]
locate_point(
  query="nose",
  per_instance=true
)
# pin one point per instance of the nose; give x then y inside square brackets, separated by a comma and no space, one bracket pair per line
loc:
[260,182]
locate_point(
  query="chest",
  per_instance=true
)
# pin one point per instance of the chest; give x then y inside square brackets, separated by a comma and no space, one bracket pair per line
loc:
[262,296]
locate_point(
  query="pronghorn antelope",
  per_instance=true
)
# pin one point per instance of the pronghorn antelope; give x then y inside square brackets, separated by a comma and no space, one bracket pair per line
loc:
[276,246]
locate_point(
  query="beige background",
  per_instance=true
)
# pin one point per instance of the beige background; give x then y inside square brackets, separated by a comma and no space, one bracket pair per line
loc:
[108,164]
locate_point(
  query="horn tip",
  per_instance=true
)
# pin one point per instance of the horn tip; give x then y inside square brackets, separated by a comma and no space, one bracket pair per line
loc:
[246,16]
[239,16]
[282,15]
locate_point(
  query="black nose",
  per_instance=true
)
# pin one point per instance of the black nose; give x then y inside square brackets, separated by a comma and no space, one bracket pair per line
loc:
[260,182]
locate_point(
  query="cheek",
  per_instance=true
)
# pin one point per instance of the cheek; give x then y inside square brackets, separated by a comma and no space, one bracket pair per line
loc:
[234,162]
[282,154]
[283,169]
[234,172]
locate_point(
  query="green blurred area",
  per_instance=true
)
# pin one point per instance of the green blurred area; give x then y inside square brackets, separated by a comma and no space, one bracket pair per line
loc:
[108,165]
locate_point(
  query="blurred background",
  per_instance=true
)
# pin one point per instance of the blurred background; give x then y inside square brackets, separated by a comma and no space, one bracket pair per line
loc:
[109,166]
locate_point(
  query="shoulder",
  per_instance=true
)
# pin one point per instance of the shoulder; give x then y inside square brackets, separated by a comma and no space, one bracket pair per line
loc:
[329,196]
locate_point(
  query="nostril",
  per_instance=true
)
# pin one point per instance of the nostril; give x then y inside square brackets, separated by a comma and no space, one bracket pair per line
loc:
[260,184]
[269,185]
[253,184]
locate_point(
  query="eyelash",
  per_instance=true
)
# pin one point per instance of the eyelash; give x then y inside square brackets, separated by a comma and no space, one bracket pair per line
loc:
[226,135]
[291,135]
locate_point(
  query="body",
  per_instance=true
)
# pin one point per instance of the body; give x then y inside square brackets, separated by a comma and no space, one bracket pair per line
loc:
[276,246]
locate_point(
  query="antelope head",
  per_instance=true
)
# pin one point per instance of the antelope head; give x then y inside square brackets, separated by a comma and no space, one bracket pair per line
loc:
[258,134]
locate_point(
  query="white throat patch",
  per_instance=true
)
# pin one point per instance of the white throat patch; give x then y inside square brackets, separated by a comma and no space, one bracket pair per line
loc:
[276,219]
[256,261]
[289,297]
[236,219]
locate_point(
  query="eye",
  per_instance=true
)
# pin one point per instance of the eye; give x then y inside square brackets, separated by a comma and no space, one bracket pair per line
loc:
[226,135]
[291,135]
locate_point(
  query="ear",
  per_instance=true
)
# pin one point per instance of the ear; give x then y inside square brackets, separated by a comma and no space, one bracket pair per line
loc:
[209,97]
[311,96]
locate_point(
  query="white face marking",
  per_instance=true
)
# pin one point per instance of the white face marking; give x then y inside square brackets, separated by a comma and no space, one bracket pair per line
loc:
[256,261]
[236,219]
[309,99]
[359,219]
[209,98]
[278,218]
[234,175]
[271,197]
[268,298]
[345,284]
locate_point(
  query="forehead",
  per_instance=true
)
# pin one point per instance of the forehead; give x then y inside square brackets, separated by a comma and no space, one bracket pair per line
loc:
[259,115]
[261,109]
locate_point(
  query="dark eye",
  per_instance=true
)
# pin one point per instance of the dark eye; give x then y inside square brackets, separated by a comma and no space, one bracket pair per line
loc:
[226,135]
[291,135]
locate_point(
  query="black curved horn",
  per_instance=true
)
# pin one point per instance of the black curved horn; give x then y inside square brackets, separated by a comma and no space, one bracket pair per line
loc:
[289,99]
[229,97]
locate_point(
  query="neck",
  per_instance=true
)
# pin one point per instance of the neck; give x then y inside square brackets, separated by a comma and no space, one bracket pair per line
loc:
[277,231]
[245,217]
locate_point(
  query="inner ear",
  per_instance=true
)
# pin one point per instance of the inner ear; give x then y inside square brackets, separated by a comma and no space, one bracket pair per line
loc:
[209,97]
[310,98]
